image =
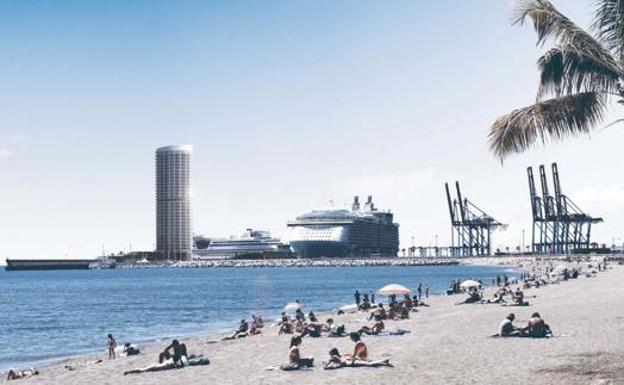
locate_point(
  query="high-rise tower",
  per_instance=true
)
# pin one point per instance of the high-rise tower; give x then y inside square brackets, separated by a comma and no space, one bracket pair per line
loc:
[173,202]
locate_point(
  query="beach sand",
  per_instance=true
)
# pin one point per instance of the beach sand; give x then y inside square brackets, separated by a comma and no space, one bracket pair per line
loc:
[448,344]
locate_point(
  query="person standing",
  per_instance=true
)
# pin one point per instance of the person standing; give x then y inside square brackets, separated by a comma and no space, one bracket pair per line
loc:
[426,290]
[372,297]
[112,344]
[420,291]
[357,298]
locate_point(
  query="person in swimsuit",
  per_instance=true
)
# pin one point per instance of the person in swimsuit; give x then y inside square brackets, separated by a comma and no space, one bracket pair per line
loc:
[130,349]
[360,351]
[15,374]
[537,328]
[295,361]
[179,351]
[376,329]
[111,344]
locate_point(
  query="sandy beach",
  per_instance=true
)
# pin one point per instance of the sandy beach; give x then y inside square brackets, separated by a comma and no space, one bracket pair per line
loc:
[448,344]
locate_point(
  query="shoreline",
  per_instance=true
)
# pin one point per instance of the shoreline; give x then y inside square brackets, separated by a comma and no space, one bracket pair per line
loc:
[208,333]
[54,373]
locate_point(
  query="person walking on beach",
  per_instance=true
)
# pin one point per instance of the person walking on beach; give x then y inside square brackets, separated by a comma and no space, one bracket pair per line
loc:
[112,344]
[372,297]
[420,290]
[426,290]
[357,298]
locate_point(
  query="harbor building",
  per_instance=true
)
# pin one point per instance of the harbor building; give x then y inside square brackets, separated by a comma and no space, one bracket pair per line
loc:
[173,202]
[363,231]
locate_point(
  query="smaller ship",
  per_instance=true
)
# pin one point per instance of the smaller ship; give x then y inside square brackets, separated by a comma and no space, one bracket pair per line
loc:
[253,244]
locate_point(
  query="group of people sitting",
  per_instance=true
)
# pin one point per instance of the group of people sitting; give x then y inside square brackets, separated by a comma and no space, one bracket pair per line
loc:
[359,357]
[309,327]
[245,329]
[508,297]
[535,328]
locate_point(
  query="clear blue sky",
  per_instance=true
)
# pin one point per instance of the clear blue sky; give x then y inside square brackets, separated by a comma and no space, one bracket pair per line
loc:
[289,104]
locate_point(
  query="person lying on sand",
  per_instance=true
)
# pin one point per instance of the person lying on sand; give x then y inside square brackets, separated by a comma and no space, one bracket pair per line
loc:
[376,329]
[336,361]
[295,362]
[179,351]
[15,374]
[165,365]
[170,364]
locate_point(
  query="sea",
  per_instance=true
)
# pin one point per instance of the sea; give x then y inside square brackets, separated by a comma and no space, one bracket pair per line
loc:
[50,315]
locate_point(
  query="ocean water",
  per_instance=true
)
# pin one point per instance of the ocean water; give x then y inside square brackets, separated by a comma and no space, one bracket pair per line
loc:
[48,315]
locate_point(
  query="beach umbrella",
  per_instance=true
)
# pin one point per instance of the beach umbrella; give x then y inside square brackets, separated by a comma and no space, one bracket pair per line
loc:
[470,283]
[393,289]
[293,306]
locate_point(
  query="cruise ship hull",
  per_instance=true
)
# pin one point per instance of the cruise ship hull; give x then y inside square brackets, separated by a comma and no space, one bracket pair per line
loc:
[320,249]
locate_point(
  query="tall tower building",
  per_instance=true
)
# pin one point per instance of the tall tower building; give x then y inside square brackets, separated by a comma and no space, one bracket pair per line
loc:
[173,202]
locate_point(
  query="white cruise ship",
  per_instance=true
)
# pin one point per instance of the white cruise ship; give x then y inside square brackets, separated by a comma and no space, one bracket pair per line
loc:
[252,244]
[359,232]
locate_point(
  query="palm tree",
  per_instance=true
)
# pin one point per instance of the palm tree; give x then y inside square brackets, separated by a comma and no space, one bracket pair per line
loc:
[579,76]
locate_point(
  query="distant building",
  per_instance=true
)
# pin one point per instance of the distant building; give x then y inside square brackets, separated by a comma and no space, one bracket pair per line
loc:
[359,232]
[173,202]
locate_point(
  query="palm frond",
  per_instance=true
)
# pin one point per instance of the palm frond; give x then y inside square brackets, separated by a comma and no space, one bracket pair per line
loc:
[566,70]
[552,119]
[609,25]
[549,23]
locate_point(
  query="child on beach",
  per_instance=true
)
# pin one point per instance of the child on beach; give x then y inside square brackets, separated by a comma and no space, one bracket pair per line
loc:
[112,344]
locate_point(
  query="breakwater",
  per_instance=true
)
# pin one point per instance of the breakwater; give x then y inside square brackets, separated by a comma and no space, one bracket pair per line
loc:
[245,263]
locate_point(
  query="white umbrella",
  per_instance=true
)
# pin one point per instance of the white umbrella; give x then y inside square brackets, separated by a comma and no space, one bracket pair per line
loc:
[293,306]
[470,283]
[393,289]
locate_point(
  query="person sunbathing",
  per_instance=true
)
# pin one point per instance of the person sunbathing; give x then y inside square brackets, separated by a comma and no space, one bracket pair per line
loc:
[130,350]
[286,328]
[376,329]
[537,328]
[241,332]
[379,313]
[313,329]
[518,297]
[300,326]
[179,351]
[15,374]
[164,365]
[295,362]
[170,364]
[285,318]
[336,361]
[360,351]
[258,321]
[473,297]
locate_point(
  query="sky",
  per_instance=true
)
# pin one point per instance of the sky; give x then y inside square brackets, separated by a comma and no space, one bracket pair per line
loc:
[290,105]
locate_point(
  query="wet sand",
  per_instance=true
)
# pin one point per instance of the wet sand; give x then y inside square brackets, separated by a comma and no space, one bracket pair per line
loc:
[448,344]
